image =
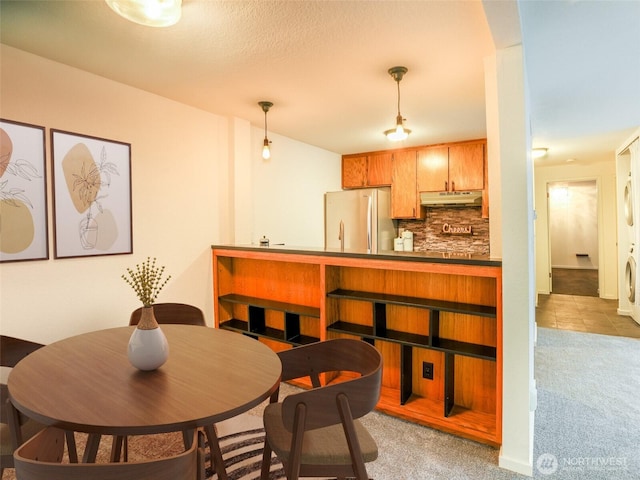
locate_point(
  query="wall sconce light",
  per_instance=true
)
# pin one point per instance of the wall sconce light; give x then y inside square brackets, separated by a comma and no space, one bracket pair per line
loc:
[399,132]
[152,13]
[539,152]
[266,151]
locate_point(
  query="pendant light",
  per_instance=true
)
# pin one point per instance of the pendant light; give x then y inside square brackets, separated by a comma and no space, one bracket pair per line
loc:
[152,13]
[266,151]
[399,132]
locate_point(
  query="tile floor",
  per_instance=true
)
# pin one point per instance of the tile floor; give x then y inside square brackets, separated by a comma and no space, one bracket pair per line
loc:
[584,314]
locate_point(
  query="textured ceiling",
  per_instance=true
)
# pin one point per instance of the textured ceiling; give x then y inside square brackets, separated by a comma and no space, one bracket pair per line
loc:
[324,64]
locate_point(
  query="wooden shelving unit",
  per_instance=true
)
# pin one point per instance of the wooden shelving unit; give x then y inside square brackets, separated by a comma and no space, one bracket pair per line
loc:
[256,323]
[446,318]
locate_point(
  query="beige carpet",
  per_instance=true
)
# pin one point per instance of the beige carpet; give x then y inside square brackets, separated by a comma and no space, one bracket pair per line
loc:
[406,451]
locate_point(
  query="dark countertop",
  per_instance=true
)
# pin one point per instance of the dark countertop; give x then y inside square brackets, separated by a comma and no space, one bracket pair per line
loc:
[431,257]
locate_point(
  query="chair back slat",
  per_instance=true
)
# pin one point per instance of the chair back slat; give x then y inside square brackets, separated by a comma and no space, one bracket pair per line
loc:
[176,313]
[31,464]
[12,350]
[342,355]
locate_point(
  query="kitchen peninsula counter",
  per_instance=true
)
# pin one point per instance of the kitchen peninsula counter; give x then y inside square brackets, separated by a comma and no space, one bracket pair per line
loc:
[457,258]
[435,317]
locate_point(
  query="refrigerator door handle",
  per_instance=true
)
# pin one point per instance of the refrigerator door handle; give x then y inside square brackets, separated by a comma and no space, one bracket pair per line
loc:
[369,220]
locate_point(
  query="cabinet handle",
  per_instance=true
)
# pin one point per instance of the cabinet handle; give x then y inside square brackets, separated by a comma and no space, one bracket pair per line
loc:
[453,186]
[446,186]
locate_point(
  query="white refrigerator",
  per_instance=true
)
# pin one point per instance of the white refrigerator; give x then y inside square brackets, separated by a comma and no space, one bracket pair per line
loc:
[359,220]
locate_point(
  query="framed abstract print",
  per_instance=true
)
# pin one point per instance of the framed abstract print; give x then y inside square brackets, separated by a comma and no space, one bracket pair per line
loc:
[91,195]
[23,192]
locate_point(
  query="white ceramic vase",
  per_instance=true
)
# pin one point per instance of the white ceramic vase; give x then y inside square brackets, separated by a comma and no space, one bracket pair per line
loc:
[148,346]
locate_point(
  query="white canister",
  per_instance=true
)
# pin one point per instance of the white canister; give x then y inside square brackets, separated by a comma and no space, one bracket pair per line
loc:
[398,244]
[407,241]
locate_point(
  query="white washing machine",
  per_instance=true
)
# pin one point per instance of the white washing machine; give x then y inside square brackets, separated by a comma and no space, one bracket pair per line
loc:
[627,256]
[630,277]
[631,210]
[630,280]
[628,194]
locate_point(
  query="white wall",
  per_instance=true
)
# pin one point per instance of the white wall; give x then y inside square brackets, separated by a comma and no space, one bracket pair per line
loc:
[604,173]
[189,170]
[573,224]
[299,171]
[508,133]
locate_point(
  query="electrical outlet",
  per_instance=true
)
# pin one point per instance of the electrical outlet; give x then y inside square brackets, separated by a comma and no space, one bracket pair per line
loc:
[427,370]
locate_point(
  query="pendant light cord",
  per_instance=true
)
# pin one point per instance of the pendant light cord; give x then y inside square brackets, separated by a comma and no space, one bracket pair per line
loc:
[265,124]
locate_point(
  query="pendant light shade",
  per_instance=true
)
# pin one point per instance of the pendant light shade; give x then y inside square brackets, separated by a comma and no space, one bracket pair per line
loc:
[399,132]
[266,151]
[152,13]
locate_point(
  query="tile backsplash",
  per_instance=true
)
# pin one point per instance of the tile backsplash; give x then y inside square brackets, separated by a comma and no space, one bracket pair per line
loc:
[444,229]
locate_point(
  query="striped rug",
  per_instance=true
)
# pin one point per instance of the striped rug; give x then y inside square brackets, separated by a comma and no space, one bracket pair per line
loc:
[242,454]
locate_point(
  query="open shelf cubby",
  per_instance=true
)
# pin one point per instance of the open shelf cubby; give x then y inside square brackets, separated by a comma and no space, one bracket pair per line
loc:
[256,324]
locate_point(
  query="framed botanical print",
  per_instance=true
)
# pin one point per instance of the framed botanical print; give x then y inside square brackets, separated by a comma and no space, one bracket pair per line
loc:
[91,195]
[23,192]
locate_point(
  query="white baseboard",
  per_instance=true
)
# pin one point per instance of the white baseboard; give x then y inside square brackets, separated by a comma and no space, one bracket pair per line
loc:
[574,267]
[515,466]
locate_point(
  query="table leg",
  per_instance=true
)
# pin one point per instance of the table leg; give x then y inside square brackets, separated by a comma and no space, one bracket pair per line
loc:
[217,462]
[116,448]
[187,438]
[91,450]
[71,446]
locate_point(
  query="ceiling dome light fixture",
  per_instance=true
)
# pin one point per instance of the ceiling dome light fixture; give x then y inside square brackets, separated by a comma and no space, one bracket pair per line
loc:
[539,152]
[399,132]
[152,13]
[266,151]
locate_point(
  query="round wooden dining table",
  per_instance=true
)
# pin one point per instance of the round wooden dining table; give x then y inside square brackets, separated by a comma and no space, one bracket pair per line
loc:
[86,384]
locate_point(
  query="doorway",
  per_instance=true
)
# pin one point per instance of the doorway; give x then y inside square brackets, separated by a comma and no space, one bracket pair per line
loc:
[573,237]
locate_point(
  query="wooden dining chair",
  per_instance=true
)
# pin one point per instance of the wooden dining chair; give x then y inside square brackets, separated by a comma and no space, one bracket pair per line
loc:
[179,313]
[40,459]
[14,427]
[316,433]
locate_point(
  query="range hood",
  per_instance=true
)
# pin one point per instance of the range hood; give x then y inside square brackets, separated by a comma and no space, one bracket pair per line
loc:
[451,199]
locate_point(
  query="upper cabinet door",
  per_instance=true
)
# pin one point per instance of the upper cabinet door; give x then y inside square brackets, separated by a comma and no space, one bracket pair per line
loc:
[354,172]
[404,194]
[379,170]
[433,169]
[466,167]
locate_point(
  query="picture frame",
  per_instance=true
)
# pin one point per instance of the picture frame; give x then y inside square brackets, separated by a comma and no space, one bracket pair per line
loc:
[23,192]
[92,213]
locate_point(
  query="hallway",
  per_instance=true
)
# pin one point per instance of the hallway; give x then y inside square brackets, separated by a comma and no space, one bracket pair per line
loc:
[584,314]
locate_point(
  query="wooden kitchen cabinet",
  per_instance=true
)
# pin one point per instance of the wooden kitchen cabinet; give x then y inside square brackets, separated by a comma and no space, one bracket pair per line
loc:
[354,171]
[379,168]
[360,171]
[433,169]
[466,167]
[405,202]
[451,168]
[438,168]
